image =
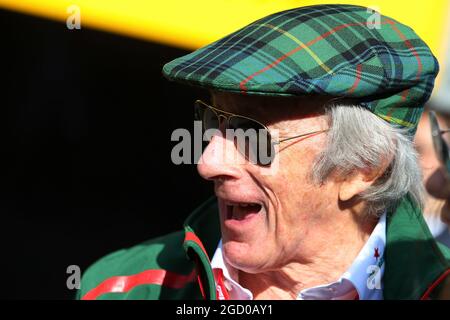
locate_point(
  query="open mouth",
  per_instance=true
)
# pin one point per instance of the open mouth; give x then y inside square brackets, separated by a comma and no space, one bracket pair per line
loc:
[241,211]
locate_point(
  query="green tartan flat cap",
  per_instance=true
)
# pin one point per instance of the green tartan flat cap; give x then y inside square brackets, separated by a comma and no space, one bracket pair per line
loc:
[338,50]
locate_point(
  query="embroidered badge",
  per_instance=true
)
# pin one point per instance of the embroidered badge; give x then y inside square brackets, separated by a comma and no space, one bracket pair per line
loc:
[376,254]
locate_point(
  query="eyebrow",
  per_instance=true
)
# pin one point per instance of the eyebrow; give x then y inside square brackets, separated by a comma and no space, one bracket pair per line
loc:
[266,116]
[252,115]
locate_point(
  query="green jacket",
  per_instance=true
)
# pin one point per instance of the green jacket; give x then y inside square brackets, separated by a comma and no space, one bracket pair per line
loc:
[177,266]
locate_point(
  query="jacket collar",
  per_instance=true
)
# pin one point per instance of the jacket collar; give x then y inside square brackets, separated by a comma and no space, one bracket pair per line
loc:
[201,237]
[413,260]
[204,223]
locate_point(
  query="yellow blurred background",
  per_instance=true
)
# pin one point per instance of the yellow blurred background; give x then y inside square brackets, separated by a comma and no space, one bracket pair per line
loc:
[192,24]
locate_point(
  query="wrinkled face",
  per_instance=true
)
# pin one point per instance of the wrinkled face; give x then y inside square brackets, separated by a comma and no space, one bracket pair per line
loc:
[271,218]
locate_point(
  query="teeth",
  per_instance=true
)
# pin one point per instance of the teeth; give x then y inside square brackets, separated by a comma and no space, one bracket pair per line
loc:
[238,204]
[239,210]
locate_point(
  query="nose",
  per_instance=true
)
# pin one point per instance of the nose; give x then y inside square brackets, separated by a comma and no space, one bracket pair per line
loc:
[220,160]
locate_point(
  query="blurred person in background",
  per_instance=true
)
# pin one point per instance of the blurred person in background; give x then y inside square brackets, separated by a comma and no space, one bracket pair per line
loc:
[432,144]
[435,177]
[432,140]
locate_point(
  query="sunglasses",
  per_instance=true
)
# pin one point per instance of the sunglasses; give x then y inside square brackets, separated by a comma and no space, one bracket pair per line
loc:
[440,146]
[251,138]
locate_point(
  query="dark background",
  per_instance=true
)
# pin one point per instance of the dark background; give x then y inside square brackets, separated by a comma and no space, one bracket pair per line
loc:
[86,120]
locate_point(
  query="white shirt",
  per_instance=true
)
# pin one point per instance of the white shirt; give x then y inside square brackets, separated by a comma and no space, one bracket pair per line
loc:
[439,229]
[363,280]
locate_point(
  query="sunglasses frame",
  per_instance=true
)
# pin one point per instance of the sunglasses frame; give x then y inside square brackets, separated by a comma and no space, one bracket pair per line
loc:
[440,146]
[220,113]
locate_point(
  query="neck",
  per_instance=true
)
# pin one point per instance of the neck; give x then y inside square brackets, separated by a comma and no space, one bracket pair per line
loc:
[330,259]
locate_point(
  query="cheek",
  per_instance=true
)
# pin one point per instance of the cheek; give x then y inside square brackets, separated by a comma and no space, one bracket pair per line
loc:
[293,192]
[294,178]
[293,196]
[300,200]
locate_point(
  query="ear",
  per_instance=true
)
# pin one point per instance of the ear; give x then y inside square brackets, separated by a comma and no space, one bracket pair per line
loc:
[353,185]
[360,181]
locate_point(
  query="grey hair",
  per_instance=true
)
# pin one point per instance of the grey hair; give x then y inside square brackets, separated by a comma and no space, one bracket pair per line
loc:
[360,140]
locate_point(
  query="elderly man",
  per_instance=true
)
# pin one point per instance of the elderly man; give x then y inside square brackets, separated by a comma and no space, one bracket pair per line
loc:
[332,208]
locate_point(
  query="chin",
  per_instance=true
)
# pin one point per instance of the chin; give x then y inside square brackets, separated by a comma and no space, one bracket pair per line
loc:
[242,256]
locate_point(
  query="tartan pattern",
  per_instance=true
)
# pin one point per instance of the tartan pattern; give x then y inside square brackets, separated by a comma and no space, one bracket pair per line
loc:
[323,49]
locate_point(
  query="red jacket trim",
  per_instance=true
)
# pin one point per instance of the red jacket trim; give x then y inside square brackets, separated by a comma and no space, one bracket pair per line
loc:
[126,283]
[435,284]
[190,236]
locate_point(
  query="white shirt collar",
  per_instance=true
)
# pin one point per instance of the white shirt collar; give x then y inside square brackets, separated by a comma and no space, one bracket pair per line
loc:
[364,276]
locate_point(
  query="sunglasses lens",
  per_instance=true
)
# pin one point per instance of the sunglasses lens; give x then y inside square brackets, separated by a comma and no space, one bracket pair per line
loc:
[210,120]
[207,116]
[438,142]
[252,140]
